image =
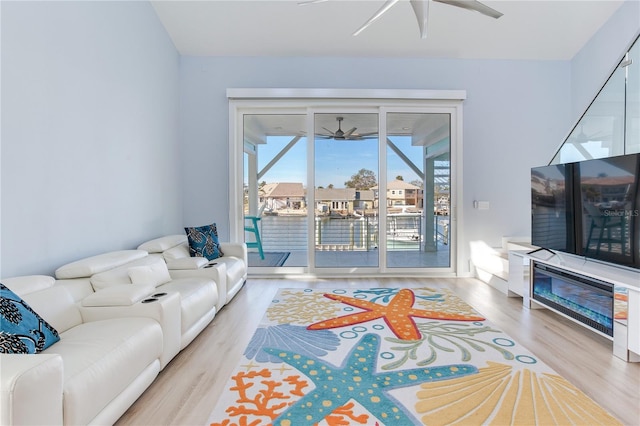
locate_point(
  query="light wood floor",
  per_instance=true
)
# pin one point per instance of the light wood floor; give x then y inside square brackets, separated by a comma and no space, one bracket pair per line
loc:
[185,392]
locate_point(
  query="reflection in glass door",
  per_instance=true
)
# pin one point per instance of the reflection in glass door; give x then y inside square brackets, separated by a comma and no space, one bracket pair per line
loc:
[274,202]
[346,179]
[418,190]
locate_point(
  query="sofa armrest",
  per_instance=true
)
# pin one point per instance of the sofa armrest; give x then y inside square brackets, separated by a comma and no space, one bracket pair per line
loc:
[31,389]
[238,250]
[119,295]
[163,307]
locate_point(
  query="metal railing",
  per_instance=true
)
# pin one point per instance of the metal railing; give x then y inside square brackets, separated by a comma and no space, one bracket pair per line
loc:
[346,234]
[404,232]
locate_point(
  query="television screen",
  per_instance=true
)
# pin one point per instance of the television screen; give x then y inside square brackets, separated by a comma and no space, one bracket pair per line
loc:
[609,204]
[552,225]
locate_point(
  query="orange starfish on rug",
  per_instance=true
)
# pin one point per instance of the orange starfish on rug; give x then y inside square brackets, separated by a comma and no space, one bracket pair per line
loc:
[397,314]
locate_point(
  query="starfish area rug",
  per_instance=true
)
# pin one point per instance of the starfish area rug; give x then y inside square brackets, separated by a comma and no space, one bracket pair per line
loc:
[392,356]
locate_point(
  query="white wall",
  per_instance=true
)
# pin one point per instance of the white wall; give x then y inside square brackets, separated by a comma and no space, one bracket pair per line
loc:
[515,114]
[89,131]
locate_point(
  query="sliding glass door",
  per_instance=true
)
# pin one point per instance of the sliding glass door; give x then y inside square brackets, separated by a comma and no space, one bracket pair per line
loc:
[346,177]
[372,190]
[418,197]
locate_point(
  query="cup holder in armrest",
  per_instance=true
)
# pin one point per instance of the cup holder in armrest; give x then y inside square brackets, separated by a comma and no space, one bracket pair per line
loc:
[209,265]
[158,294]
[150,299]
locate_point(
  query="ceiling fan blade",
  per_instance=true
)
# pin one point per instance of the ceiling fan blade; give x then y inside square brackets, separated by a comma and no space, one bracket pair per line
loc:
[348,132]
[386,6]
[330,131]
[473,5]
[361,137]
[421,9]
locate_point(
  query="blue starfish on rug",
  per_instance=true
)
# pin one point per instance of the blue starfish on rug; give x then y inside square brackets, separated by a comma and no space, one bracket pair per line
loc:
[357,380]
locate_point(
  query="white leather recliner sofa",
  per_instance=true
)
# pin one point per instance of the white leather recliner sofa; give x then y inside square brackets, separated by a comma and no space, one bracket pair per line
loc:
[121,316]
[197,299]
[97,369]
[228,271]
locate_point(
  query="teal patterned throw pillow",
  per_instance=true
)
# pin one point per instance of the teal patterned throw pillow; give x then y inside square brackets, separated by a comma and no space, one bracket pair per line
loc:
[203,242]
[22,331]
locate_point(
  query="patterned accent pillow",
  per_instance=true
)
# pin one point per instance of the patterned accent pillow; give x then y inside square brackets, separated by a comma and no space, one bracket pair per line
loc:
[22,330]
[203,242]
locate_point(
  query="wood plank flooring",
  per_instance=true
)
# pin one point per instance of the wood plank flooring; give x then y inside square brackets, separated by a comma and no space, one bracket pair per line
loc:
[185,392]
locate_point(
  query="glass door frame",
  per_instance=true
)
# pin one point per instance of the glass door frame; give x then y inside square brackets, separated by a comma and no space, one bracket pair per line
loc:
[309,101]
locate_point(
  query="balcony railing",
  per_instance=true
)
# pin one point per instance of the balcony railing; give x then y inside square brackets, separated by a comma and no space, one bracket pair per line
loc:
[404,232]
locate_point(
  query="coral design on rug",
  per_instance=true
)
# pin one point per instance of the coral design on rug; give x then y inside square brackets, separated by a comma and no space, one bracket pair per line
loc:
[446,338]
[301,307]
[391,356]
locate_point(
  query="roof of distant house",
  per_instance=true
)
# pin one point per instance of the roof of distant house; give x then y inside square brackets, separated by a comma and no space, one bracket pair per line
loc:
[335,194]
[399,184]
[283,190]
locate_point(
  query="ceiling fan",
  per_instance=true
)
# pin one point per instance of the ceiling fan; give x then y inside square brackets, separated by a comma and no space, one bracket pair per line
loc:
[421,9]
[341,135]
[581,137]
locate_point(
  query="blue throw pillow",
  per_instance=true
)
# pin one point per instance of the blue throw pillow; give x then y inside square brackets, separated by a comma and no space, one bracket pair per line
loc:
[22,331]
[203,242]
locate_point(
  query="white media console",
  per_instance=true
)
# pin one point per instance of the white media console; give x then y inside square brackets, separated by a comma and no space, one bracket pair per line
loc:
[626,284]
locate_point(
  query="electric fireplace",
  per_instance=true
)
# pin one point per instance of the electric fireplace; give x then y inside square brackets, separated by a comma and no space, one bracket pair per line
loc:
[584,299]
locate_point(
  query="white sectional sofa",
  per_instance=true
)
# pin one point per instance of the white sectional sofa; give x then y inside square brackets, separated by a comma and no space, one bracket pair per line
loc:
[97,369]
[121,317]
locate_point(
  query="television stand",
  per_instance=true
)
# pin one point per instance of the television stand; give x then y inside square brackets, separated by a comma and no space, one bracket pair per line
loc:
[626,286]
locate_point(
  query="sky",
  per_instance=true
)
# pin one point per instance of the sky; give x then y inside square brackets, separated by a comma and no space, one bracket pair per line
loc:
[336,161]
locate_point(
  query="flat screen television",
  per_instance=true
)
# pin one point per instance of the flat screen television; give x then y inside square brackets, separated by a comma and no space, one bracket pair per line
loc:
[552,217]
[589,208]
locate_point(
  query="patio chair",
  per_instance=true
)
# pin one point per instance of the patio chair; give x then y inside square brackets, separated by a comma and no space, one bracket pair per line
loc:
[252,227]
